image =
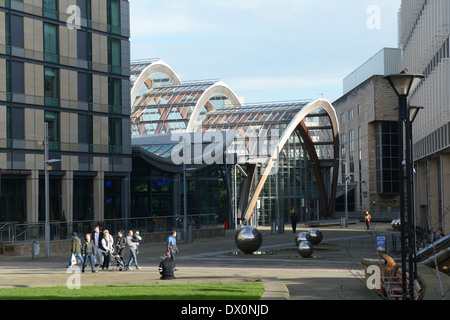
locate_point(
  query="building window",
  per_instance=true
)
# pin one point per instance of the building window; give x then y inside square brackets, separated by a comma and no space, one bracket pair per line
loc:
[115,135]
[51,42]
[16,24]
[350,114]
[351,153]
[8,33]
[8,80]
[388,158]
[50,8]
[52,118]
[51,86]
[115,95]
[114,56]
[8,128]
[114,16]
[17,73]
[342,118]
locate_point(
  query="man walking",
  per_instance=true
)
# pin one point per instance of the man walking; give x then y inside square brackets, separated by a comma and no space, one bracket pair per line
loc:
[98,253]
[294,219]
[133,247]
[171,245]
[76,250]
[367,219]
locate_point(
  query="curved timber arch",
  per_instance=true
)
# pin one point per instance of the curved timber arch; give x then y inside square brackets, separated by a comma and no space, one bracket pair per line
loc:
[219,88]
[320,104]
[155,67]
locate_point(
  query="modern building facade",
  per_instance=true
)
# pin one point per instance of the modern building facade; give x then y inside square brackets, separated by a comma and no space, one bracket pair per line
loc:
[242,163]
[66,64]
[424,40]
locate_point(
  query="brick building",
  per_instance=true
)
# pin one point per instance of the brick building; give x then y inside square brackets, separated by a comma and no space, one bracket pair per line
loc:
[369,139]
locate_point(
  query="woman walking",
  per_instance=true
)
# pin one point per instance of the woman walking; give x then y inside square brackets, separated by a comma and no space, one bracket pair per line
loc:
[88,251]
[107,243]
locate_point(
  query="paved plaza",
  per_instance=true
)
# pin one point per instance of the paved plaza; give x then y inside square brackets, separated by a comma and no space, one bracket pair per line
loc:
[334,271]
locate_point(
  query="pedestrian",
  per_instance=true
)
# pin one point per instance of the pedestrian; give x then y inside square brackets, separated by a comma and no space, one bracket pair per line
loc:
[367,219]
[294,219]
[88,251]
[76,250]
[167,268]
[98,254]
[107,245]
[137,238]
[121,243]
[132,245]
[171,245]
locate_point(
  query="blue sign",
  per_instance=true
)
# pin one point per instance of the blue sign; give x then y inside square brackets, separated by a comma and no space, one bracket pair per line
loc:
[381,244]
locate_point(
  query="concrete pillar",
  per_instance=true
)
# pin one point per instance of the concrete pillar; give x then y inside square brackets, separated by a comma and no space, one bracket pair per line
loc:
[420,193]
[445,193]
[99,196]
[33,197]
[67,195]
[434,207]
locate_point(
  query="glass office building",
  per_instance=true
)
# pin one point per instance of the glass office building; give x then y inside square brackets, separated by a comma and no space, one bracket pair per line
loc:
[74,75]
[244,163]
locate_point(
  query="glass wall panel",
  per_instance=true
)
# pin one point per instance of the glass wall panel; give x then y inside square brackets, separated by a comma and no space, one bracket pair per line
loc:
[51,43]
[51,86]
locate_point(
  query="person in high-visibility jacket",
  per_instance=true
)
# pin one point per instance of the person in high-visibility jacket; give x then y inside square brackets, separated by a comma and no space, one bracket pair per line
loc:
[367,218]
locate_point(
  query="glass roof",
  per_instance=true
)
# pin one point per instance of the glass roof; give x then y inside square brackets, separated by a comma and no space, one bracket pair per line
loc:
[262,119]
[167,108]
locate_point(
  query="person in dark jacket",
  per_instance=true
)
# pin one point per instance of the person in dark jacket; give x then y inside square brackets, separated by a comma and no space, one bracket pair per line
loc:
[76,249]
[88,251]
[121,243]
[167,267]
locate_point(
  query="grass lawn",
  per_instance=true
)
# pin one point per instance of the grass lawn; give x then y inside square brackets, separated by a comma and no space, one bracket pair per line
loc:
[207,291]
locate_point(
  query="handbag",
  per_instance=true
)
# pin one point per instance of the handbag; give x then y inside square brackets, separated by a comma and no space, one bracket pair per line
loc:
[73,259]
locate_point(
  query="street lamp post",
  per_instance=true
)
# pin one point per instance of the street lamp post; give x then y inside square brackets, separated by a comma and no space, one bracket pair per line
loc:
[403,84]
[47,161]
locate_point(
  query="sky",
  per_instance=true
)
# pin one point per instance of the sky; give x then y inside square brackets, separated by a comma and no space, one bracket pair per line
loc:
[265,50]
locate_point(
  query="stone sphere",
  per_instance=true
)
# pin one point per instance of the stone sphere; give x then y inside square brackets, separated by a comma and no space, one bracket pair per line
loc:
[316,236]
[305,249]
[396,225]
[302,236]
[248,239]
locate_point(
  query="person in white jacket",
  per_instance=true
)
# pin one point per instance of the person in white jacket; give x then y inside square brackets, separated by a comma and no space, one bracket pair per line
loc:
[107,244]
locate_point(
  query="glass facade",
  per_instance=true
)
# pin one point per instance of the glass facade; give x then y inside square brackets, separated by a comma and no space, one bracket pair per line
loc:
[388,157]
[13,198]
[303,149]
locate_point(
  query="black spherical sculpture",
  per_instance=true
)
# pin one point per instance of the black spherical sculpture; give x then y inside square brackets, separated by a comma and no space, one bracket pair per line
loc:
[305,249]
[248,239]
[316,236]
[302,236]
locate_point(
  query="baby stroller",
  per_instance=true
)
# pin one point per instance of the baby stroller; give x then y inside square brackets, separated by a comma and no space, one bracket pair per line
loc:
[121,263]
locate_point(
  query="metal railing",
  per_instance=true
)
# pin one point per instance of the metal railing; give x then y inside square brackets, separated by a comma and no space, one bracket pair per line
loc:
[59,231]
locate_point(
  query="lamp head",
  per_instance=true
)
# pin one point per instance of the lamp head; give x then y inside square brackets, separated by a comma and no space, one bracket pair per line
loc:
[404,83]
